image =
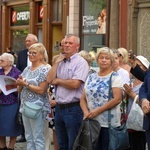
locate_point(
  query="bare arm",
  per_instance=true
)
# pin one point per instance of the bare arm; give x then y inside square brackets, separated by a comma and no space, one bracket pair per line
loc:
[83,104]
[117,94]
[40,89]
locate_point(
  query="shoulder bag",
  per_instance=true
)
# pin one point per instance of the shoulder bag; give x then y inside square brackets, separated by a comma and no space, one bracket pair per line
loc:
[118,136]
[31,110]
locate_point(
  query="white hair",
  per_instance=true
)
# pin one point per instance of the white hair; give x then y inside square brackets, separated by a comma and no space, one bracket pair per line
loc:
[8,57]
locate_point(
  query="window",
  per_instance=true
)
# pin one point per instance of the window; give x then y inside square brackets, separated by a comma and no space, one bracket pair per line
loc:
[93,25]
[57,10]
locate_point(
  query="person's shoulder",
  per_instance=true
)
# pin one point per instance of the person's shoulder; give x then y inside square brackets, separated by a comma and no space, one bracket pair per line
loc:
[16,70]
[23,51]
[123,71]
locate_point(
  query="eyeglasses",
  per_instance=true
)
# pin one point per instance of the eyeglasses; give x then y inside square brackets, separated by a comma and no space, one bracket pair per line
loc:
[119,55]
[32,54]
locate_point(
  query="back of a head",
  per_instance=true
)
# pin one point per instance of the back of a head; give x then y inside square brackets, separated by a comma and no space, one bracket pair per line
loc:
[86,56]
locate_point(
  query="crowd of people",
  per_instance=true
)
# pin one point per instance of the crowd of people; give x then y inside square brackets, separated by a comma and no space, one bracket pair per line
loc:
[64,94]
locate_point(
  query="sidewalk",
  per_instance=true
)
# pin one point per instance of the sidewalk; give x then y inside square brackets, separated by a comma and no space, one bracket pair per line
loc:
[22,146]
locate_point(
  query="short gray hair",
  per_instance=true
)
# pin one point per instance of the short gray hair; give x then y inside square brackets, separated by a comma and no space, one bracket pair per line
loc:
[33,36]
[8,57]
[75,35]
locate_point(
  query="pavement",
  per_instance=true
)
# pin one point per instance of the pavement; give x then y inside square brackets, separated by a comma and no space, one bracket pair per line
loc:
[22,145]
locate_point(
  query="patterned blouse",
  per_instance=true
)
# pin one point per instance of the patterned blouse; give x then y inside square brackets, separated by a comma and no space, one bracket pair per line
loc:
[35,77]
[96,90]
[13,97]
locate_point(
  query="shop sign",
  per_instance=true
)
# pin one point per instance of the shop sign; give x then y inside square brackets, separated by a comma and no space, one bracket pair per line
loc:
[89,23]
[20,16]
[41,12]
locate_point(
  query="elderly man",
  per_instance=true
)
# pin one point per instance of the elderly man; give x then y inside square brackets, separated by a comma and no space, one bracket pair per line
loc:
[68,74]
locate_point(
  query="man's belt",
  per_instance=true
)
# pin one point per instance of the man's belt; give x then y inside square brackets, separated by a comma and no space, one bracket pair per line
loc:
[68,105]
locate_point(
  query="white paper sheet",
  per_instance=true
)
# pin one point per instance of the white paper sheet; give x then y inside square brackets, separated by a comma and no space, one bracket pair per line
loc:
[7,84]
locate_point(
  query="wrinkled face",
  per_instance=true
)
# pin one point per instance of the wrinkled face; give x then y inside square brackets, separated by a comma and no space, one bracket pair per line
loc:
[4,62]
[70,46]
[104,61]
[29,41]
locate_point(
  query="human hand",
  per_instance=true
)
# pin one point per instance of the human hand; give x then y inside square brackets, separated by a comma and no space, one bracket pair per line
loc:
[21,81]
[128,91]
[59,58]
[132,58]
[52,103]
[145,106]
[93,113]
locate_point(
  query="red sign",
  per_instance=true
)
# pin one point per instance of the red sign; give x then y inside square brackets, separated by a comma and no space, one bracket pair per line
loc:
[41,12]
[14,16]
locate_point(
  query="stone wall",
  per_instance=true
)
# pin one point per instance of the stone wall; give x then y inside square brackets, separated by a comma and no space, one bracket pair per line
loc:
[139,27]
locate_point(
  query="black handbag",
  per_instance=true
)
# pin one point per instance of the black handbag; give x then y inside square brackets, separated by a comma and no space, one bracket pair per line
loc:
[118,136]
[88,135]
[18,114]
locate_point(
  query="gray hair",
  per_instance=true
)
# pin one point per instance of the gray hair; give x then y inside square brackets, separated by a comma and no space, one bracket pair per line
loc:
[33,36]
[75,35]
[8,57]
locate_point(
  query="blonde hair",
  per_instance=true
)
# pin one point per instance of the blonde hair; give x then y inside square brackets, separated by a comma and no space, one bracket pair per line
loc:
[86,56]
[124,54]
[105,50]
[93,55]
[38,47]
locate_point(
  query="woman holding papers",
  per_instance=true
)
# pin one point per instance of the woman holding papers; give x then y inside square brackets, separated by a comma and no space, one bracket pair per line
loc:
[8,104]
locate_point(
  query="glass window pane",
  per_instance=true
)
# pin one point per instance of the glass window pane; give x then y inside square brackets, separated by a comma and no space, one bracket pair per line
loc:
[55,10]
[40,35]
[18,39]
[60,11]
[92,11]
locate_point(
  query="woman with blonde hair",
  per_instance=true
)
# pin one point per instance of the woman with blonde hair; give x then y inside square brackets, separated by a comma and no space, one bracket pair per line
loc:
[123,59]
[33,87]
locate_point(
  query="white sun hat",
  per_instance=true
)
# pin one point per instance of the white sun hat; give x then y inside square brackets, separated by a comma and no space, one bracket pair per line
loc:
[143,60]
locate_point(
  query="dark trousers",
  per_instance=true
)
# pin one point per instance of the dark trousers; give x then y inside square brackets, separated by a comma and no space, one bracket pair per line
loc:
[137,140]
[103,141]
[148,138]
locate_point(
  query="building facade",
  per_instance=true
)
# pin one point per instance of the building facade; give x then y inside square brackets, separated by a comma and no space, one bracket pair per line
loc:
[126,23]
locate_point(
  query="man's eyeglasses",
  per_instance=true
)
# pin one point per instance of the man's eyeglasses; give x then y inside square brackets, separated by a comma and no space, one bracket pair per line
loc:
[32,53]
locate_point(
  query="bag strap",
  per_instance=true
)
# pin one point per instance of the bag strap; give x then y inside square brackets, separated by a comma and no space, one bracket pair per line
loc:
[109,97]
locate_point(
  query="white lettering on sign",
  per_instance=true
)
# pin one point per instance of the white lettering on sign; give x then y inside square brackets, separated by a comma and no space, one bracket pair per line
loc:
[25,15]
[89,21]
